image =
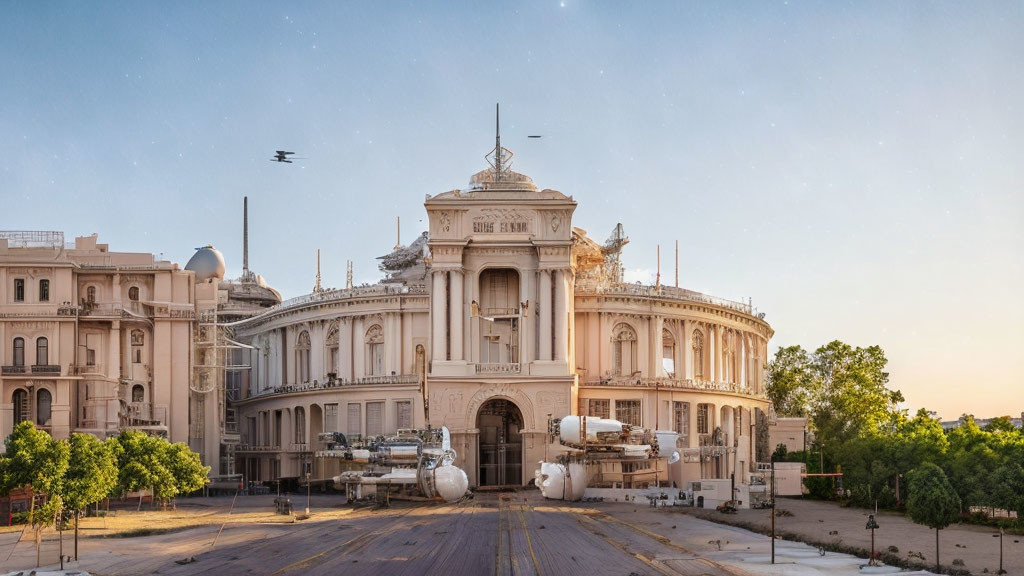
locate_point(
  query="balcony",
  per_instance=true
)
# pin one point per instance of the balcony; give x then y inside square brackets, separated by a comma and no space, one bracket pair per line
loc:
[12,370]
[671,384]
[49,369]
[315,386]
[498,368]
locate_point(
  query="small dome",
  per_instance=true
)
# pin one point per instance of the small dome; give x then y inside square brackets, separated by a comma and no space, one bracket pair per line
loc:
[207,263]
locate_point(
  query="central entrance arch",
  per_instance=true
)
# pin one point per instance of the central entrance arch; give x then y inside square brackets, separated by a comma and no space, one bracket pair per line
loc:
[501,445]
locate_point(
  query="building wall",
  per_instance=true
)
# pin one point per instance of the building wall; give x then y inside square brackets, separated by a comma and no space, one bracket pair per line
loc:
[91,369]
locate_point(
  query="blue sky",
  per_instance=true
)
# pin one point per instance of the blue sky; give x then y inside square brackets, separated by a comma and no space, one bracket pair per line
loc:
[855,168]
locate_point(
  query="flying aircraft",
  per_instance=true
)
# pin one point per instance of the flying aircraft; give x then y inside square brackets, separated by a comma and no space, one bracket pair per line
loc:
[282,156]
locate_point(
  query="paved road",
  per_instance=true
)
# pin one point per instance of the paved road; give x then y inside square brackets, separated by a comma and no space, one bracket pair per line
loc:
[515,534]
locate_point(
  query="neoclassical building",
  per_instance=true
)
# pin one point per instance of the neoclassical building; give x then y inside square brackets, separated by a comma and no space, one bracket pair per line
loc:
[93,340]
[500,316]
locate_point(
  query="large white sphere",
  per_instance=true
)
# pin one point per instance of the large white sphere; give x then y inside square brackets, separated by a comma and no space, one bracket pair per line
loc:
[450,482]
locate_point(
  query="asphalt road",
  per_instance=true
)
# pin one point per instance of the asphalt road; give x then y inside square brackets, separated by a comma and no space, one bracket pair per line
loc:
[514,534]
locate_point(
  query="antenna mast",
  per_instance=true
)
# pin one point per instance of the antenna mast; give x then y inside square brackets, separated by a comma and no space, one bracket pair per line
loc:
[245,239]
[500,158]
[317,287]
[657,278]
[677,263]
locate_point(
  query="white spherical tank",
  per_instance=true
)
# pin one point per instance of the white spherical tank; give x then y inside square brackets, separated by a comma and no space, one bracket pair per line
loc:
[207,263]
[450,482]
[561,482]
[570,428]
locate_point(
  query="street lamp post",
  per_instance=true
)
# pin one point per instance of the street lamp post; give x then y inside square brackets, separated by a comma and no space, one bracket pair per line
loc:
[308,484]
[872,524]
[1000,536]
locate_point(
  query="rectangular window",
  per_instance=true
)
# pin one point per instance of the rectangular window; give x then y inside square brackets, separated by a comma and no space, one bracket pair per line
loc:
[598,408]
[703,419]
[90,357]
[19,290]
[331,418]
[44,290]
[681,421]
[404,413]
[355,419]
[628,412]
[374,419]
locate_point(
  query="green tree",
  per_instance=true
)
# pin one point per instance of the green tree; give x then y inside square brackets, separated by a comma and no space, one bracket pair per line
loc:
[932,501]
[34,459]
[853,399]
[91,475]
[791,385]
[186,468]
[140,463]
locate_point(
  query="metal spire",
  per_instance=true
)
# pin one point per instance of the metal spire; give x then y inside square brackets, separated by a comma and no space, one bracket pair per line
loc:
[245,239]
[317,287]
[500,158]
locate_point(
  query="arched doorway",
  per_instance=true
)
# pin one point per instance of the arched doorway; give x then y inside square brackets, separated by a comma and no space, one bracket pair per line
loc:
[501,445]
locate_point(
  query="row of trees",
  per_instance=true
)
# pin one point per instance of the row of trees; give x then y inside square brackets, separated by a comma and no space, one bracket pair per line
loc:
[83,470]
[859,427]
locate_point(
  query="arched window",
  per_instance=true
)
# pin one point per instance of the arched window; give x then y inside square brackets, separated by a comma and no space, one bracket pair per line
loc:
[20,400]
[375,351]
[138,393]
[42,352]
[90,294]
[624,350]
[668,353]
[300,425]
[19,351]
[138,340]
[332,349]
[302,357]
[698,354]
[133,293]
[43,402]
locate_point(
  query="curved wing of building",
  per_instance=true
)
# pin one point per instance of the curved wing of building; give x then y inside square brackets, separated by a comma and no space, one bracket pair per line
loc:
[500,317]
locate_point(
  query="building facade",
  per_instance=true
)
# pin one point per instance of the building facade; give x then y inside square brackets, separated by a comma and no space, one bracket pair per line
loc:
[92,340]
[500,317]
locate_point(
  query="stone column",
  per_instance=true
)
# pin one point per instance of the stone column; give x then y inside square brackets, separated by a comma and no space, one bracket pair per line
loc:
[439,313]
[545,311]
[719,357]
[456,311]
[345,349]
[687,350]
[744,356]
[561,315]
[657,347]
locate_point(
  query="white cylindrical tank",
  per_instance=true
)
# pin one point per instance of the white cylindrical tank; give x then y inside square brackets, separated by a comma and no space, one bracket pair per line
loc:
[450,482]
[570,428]
[561,482]
[666,442]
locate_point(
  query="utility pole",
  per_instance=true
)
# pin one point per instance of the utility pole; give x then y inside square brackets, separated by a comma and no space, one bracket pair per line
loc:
[773,511]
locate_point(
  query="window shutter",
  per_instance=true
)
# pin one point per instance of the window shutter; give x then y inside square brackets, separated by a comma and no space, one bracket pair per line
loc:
[405,414]
[374,418]
[355,419]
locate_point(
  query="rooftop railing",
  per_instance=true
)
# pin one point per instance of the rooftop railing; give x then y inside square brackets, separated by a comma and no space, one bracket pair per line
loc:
[671,384]
[33,238]
[669,292]
[316,386]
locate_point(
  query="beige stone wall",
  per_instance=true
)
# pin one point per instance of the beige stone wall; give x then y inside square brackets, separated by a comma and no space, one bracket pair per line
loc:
[90,366]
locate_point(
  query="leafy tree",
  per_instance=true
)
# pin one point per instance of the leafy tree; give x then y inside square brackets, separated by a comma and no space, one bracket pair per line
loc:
[853,399]
[932,501]
[140,463]
[186,468]
[149,463]
[791,385]
[91,475]
[33,458]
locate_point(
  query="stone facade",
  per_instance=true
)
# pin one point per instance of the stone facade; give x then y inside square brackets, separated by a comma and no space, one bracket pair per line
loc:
[92,340]
[513,316]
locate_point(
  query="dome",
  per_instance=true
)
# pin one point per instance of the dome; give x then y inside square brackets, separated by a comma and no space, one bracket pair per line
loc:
[207,263]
